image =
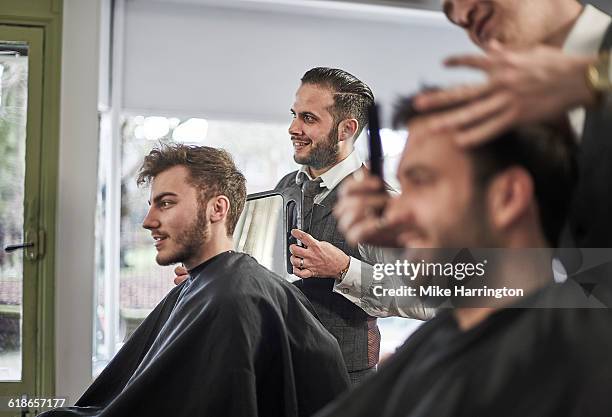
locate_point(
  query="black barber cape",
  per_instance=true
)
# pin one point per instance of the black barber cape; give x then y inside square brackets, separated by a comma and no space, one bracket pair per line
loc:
[232,340]
[535,362]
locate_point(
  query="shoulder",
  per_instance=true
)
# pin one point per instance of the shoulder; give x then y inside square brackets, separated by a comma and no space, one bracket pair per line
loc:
[286,181]
[245,277]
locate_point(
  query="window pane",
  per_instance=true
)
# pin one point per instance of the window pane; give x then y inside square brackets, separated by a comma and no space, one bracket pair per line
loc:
[260,152]
[13,117]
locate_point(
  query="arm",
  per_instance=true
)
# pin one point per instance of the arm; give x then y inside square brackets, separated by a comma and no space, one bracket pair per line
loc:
[358,286]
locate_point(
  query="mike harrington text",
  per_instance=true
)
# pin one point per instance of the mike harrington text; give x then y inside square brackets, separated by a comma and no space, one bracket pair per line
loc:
[437,291]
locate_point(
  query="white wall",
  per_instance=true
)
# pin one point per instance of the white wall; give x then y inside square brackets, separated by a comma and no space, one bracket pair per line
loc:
[198,59]
[77,197]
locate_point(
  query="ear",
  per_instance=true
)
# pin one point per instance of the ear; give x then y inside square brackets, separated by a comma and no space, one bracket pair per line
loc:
[347,129]
[218,208]
[510,196]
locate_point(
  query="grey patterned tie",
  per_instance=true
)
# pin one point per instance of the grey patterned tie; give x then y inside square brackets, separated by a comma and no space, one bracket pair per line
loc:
[310,188]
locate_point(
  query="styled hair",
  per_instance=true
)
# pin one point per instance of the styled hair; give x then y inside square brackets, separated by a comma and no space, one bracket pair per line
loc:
[547,151]
[352,97]
[211,171]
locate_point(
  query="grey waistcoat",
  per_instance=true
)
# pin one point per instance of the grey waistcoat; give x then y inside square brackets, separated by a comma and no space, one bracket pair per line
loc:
[343,319]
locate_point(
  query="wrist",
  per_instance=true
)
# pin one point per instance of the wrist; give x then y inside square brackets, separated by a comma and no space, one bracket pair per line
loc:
[583,94]
[344,270]
[598,78]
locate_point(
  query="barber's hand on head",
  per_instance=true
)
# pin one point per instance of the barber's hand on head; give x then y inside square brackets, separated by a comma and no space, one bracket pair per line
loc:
[181,274]
[360,212]
[317,259]
[522,87]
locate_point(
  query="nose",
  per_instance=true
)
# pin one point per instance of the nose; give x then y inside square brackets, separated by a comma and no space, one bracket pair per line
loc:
[295,128]
[150,221]
[460,12]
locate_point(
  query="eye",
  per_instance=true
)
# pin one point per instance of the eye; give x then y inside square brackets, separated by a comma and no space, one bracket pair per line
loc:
[308,118]
[420,178]
[165,204]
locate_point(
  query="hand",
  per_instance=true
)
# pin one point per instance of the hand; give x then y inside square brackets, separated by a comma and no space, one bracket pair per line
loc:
[360,212]
[181,274]
[522,87]
[320,259]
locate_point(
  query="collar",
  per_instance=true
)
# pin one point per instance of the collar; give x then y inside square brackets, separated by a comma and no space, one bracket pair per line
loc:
[586,36]
[198,269]
[332,177]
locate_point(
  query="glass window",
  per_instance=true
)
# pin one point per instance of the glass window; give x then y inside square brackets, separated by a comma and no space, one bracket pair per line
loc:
[13,117]
[260,151]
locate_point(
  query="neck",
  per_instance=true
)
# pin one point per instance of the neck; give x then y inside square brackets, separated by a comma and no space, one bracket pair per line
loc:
[566,15]
[529,269]
[212,248]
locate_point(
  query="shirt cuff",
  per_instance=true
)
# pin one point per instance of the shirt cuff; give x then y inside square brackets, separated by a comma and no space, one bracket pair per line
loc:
[350,286]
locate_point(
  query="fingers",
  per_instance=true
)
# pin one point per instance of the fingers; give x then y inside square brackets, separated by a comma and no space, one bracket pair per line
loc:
[297,262]
[298,251]
[351,211]
[181,274]
[481,62]
[368,184]
[471,114]
[452,96]
[360,200]
[487,129]
[180,270]
[180,278]
[367,231]
[303,273]
[307,239]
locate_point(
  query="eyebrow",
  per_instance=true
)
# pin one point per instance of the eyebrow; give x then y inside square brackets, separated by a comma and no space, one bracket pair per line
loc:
[159,197]
[305,113]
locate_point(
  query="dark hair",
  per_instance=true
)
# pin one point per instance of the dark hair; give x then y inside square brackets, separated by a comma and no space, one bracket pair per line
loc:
[211,171]
[352,97]
[547,151]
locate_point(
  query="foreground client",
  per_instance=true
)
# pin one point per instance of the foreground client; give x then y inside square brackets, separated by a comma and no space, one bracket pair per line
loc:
[489,357]
[232,340]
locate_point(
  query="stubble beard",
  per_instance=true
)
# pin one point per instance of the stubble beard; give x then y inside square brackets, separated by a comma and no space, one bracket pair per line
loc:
[324,154]
[189,242]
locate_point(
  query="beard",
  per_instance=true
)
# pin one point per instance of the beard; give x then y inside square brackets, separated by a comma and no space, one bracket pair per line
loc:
[323,154]
[472,232]
[189,242]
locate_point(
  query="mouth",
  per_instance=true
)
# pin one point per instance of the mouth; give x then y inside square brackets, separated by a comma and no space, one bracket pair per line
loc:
[480,28]
[300,144]
[159,240]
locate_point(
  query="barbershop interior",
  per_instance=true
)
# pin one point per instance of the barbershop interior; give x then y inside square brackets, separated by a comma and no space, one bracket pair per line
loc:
[118,260]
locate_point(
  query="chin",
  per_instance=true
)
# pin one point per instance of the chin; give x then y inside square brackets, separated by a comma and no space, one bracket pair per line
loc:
[166,260]
[302,160]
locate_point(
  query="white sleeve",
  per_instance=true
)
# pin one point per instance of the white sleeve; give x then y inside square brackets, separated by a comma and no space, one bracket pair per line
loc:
[358,286]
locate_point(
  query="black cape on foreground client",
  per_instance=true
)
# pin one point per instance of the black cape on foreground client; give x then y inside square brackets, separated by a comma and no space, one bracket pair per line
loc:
[529,360]
[232,340]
